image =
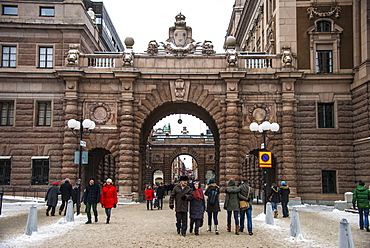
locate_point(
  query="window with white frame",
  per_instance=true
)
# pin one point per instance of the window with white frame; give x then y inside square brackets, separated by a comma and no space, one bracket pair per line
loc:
[324,61]
[325,115]
[10,10]
[47,11]
[43,112]
[9,56]
[6,113]
[46,57]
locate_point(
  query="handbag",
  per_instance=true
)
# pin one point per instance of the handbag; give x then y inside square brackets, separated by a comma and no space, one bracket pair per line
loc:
[244,205]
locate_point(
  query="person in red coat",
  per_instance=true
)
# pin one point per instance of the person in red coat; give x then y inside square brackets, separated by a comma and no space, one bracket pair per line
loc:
[149,196]
[108,198]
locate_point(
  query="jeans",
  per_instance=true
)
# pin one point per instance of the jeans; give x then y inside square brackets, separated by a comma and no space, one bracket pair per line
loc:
[236,219]
[274,205]
[363,212]
[215,218]
[108,212]
[88,210]
[181,222]
[149,203]
[284,206]
[247,213]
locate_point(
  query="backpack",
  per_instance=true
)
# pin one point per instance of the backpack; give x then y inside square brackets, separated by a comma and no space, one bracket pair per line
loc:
[212,198]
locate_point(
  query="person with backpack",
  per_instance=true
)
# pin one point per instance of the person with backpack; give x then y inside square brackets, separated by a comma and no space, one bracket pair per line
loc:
[213,204]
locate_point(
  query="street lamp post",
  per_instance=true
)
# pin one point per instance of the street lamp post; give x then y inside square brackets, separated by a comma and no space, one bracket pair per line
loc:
[263,132]
[80,128]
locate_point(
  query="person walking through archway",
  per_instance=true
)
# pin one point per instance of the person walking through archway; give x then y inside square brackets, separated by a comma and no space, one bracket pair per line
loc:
[197,207]
[67,192]
[91,198]
[108,198]
[213,204]
[149,196]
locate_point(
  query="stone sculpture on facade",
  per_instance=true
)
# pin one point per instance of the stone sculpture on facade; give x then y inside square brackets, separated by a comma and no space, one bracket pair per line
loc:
[207,48]
[91,13]
[73,55]
[287,57]
[152,47]
[128,54]
[231,53]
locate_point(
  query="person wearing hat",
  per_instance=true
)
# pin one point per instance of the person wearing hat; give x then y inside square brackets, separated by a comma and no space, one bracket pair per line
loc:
[179,199]
[51,198]
[67,192]
[284,192]
[213,204]
[108,198]
[91,198]
[361,197]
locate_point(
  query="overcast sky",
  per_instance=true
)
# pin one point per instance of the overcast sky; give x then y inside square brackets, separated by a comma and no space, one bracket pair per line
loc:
[147,20]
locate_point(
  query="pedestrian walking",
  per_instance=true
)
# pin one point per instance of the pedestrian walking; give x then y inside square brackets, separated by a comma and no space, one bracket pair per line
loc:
[232,204]
[51,198]
[108,198]
[246,194]
[274,198]
[179,199]
[91,198]
[197,207]
[361,197]
[213,204]
[160,194]
[67,193]
[149,196]
[284,192]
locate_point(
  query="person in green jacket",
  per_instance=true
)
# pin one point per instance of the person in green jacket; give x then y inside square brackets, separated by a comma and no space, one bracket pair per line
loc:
[361,197]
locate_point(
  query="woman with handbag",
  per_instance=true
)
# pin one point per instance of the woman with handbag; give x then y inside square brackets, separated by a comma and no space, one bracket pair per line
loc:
[232,204]
[197,207]
[274,198]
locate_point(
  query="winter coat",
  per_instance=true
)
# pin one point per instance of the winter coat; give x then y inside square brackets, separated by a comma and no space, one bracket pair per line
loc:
[66,190]
[243,189]
[284,192]
[216,207]
[181,205]
[108,196]
[197,208]
[274,192]
[51,197]
[160,192]
[91,194]
[149,194]
[232,196]
[361,196]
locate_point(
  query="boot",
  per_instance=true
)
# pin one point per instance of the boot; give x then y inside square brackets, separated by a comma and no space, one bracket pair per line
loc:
[96,218]
[209,228]
[229,228]
[237,229]
[275,213]
[216,229]
[367,229]
[108,219]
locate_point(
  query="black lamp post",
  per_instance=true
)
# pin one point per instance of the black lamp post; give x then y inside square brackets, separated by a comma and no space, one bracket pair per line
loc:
[80,128]
[263,132]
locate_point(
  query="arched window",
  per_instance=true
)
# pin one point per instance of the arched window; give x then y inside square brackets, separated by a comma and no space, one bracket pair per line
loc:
[323,26]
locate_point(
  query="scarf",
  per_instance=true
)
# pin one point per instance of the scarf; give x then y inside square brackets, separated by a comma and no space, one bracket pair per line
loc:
[198,194]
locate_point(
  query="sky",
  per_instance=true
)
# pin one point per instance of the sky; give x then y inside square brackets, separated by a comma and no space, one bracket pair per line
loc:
[147,20]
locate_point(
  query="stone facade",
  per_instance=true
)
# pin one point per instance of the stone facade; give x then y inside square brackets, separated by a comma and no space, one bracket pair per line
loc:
[126,94]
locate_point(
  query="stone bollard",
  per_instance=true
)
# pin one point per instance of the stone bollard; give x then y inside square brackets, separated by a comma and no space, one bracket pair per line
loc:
[69,213]
[345,236]
[269,215]
[31,221]
[295,226]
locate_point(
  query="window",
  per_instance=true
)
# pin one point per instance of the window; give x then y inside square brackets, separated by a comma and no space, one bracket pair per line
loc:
[325,112]
[46,11]
[10,10]
[329,182]
[46,57]
[323,26]
[40,171]
[9,56]
[43,113]
[5,168]
[324,61]
[6,113]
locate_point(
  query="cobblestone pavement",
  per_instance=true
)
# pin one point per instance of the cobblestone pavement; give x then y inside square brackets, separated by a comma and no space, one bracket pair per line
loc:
[134,226]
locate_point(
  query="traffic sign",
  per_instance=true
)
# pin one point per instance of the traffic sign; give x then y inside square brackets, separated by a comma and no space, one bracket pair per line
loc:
[85,157]
[265,159]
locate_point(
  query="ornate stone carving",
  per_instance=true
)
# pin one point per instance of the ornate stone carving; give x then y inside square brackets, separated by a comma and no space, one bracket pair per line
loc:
[232,57]
[259,113]
[100,113]
[73,55]
[287,58]
[314,11]
[179,88]
[91,13]
[128,58]
[152,47]
[207,47]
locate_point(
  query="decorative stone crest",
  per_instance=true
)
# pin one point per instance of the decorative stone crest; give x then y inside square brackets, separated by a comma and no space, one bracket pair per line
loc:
[100,113]
[287,58]
[259,113]
[179,88]
[314,11]
[152,47]
[73,55]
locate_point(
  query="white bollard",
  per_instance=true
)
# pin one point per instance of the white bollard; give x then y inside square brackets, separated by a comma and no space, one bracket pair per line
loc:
[269,215]
[69,213]
[295,226]
[345,236]
[31,221]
